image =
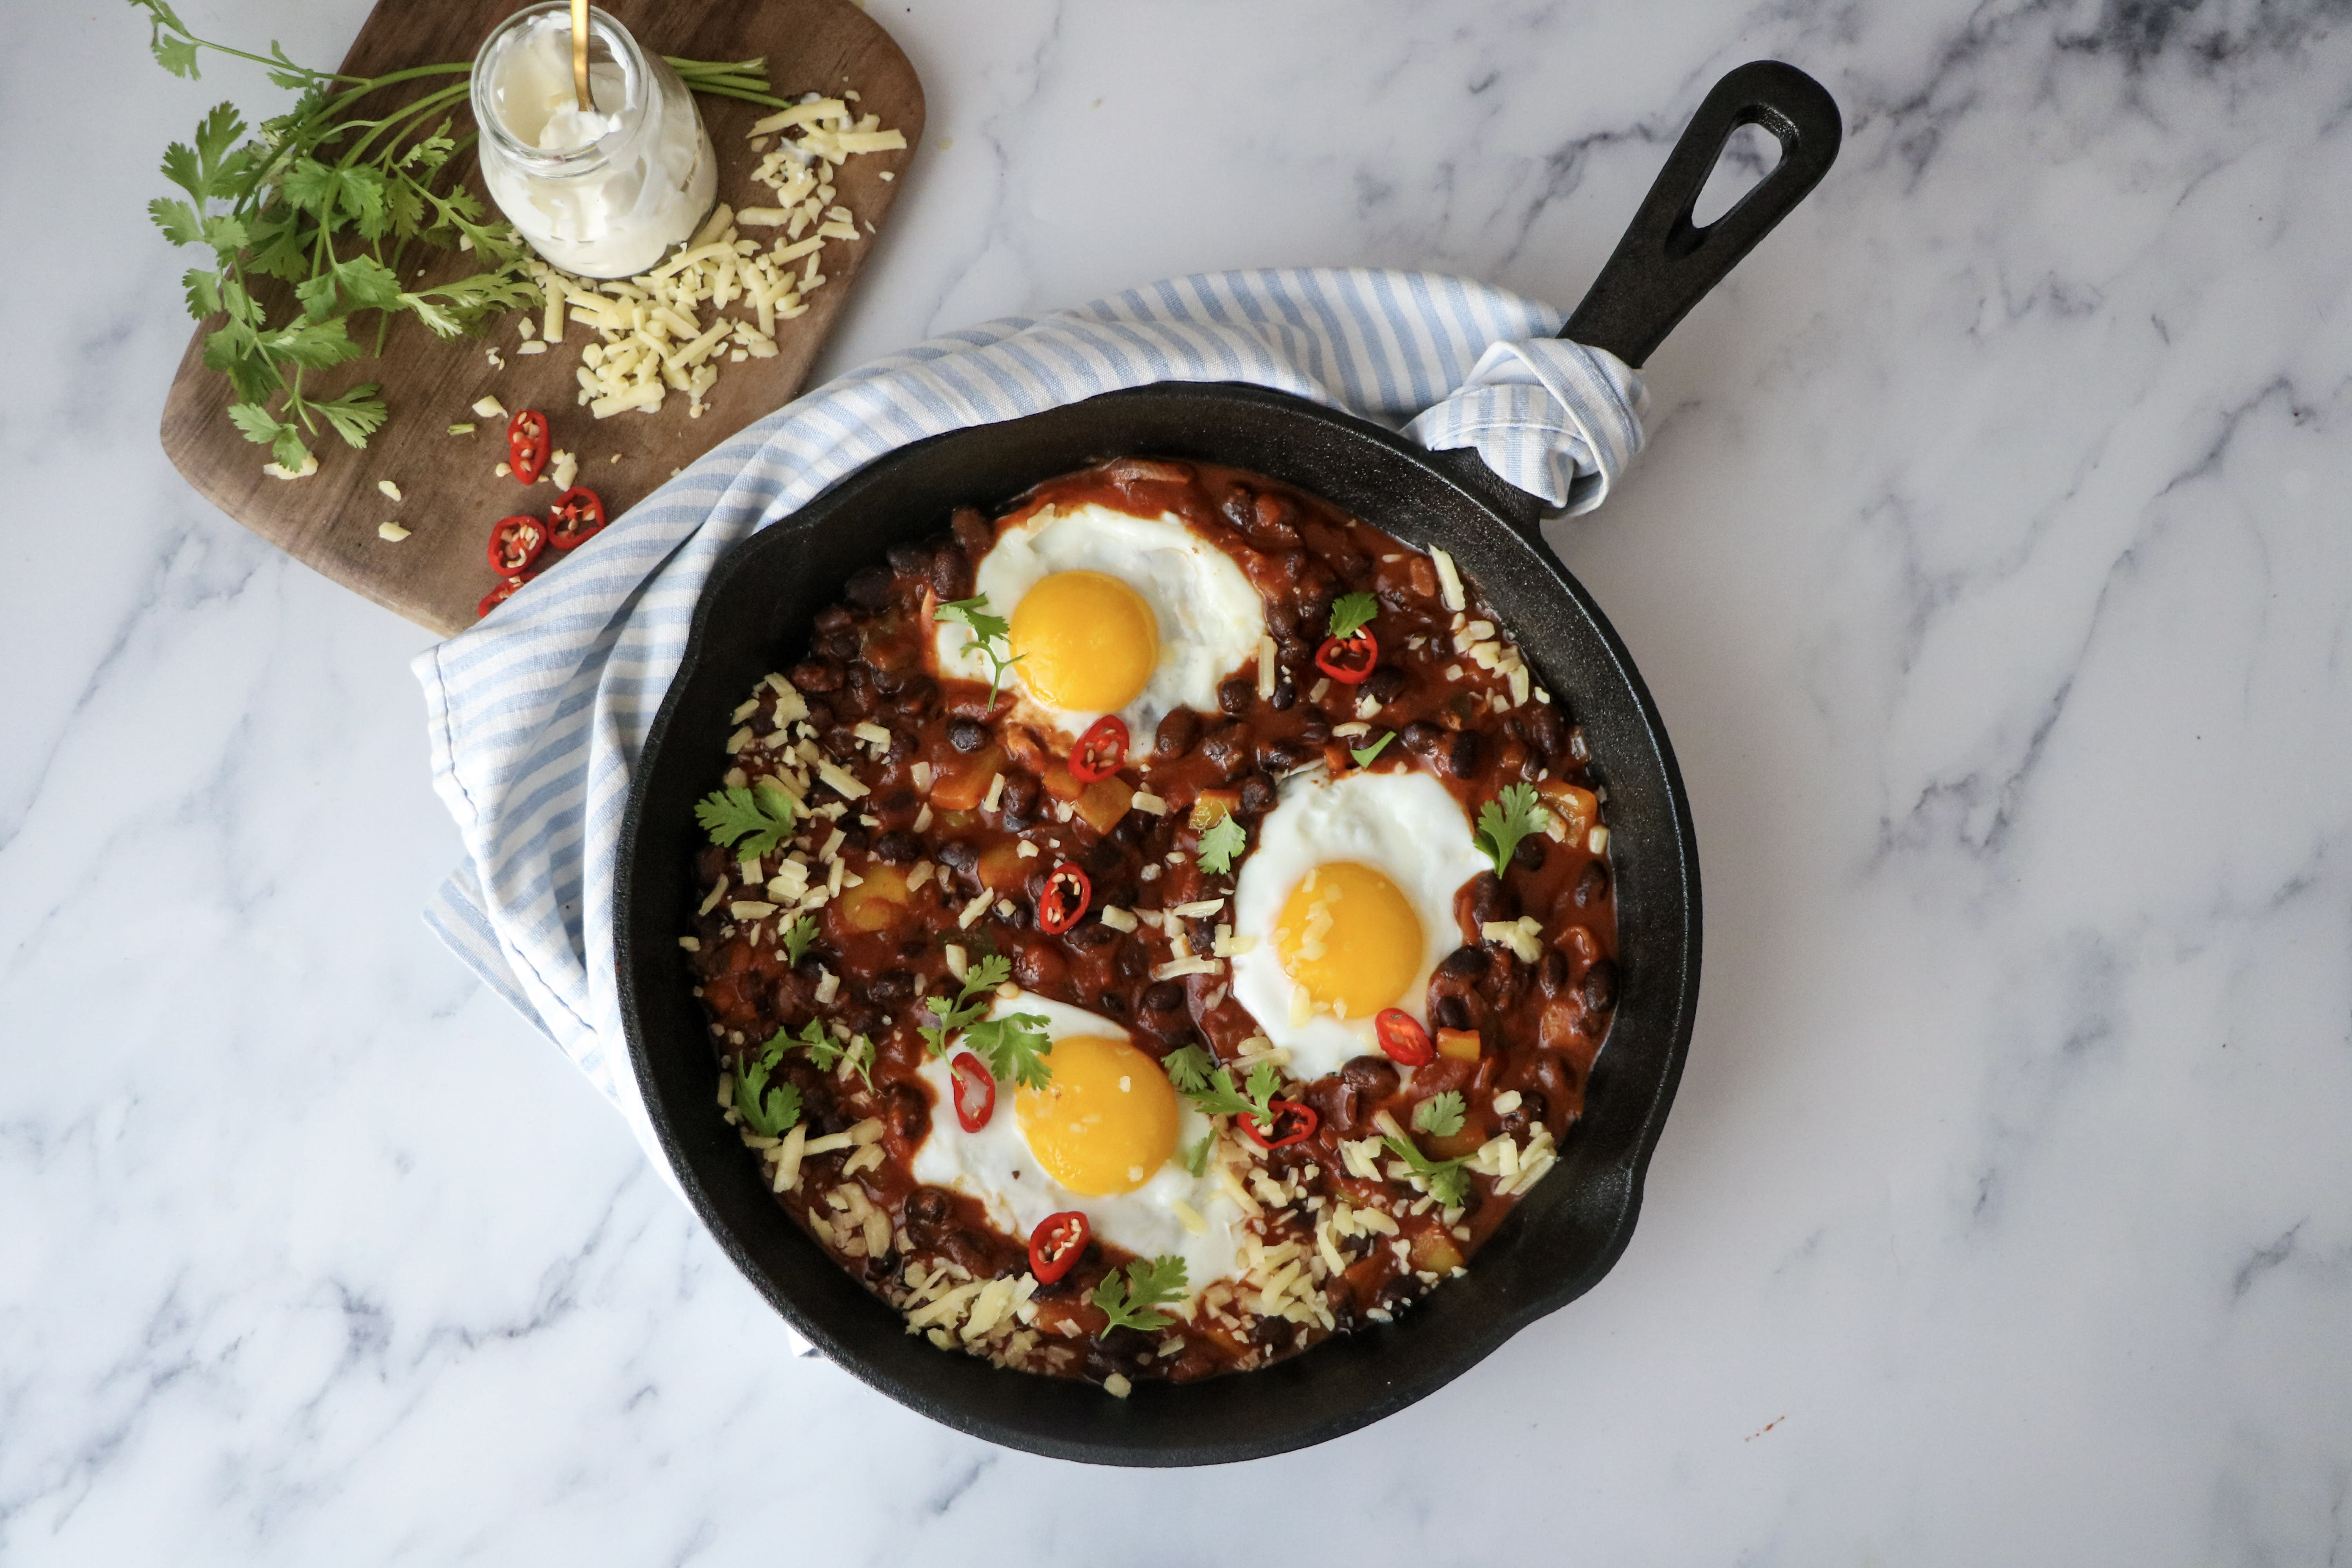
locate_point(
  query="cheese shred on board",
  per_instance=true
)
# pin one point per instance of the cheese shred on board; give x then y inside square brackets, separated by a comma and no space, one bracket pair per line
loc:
[667,331]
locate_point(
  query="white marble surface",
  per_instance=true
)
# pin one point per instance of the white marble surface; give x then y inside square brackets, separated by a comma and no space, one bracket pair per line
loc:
[1990,562]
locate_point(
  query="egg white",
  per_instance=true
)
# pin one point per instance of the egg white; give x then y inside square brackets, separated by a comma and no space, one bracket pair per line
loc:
[1211,619]
[996,1166]
[1404,825]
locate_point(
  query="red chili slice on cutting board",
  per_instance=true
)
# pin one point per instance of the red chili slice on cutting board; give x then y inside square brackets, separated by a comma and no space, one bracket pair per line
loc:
[515,543]
[498,595]
[577,514]
[527,445]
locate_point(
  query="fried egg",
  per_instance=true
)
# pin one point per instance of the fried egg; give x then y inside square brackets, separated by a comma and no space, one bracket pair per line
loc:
[1105,1137]
[1350,896]
[1110,614]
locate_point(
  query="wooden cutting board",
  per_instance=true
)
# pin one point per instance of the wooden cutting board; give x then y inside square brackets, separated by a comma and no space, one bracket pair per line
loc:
[450,493]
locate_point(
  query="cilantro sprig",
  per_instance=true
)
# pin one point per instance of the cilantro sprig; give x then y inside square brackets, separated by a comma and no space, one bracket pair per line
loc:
[1365,754]
[1135,1299]
[797,937]
[1439,1115]
[330,197]
[1014,1048]
[750,820]
[1188,1068]
[768,1109]
[1352,612]
[991,634]
[826,1053]
[1502,823]
[1224,840]
[1448,1182]
[1196,1158]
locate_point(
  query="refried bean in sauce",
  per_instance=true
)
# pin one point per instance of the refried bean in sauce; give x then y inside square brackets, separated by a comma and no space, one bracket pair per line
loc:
[913,795]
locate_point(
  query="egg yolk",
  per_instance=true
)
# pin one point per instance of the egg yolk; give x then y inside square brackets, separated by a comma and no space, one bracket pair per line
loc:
[1108,1119]
[1087,641]
[1350,937]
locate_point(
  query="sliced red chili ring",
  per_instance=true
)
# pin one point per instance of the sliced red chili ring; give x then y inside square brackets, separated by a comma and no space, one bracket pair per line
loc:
[1349,659]
[1063,904]
[1403,1038]
[515,543]
[1057,1244]
[1292,1124]
[527,445]
[577,513]
[975,1091]
[498,595]
[1101,751]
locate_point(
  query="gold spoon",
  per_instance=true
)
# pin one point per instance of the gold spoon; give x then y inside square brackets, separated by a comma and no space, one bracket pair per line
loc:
[579,55]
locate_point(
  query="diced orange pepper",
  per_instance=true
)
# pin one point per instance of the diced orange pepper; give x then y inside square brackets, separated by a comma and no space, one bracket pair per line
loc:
[877,904]
[963,783]
[1576,807]
[1001,869]
[1104,802]
[1212,807]
[1461,1044]
[1433,1252]
[1060,782]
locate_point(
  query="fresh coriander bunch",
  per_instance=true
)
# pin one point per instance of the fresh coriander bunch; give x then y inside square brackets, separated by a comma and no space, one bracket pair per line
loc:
[330,199]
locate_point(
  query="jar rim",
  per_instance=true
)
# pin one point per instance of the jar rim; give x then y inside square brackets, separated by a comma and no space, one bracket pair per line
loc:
[625,52]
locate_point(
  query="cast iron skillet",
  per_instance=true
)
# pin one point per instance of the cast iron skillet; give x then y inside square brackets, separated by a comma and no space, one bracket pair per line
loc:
[755,616]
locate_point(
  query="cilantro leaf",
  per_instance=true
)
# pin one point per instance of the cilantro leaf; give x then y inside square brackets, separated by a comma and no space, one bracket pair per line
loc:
[1216,1096]
[797,937]
[992,633]
[356,414]
[1014,1047]
[1365,755]
[1196,1158]
[761,816]
[827,1053]
[203,290]
[1439,1115]
[1222,844]
[769,1111]
[260,426]
[177,219]
[1446,1181]
[289,450]
[1134,1301]
[1187,1068]
[1503,823]
[313,345]
[1351,612]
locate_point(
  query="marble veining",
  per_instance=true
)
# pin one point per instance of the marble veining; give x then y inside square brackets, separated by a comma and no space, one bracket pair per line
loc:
[1989,561]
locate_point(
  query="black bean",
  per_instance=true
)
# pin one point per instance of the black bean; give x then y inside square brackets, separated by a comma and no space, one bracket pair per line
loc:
[1532,1109]
[929,1211]
[1286,692]
[811,964]
[1591,884]
[973,531]
[1239,506]
[1133,828]
[1282,619]
[967,734]
[1237,695]
[899,848]
[1313,726]
[909,558]
[1422,736]
[1226,746]
[1203,932]
[1553,974]
[1461,760]
[1103,856]
[1452,1013]
[891,987]
[1258,793]
[820,716]
[1385,684]
[1529,855]
[902,746]
[1281,756]
[890,682]
[870,589]
[1169,1028]
[950,574]
[1112,1003]
[1599,987]
[1020,794]
[1348,561]
[914,699]
[1178,728]
[836,618]
[959,855]
[1164,996]
[1274,523]
[1467,962]
[1490,900]
[854,839]
[816,675]
[841,741]
[1090,935]
[1544,731]
[842,645]
[1374,1076]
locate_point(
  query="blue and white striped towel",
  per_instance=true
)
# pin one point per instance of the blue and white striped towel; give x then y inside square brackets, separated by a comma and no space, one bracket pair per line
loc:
[539,713]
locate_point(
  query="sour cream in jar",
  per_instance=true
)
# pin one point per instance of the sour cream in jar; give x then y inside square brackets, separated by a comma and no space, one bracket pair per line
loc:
[601,193]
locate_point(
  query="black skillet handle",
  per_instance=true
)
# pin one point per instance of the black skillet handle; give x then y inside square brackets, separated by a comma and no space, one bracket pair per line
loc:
[1665,265]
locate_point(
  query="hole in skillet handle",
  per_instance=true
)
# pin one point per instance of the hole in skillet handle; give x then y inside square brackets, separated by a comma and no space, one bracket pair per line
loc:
[1667,263]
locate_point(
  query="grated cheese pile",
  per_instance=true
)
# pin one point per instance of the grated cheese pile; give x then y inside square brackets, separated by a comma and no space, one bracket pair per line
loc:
[665,330]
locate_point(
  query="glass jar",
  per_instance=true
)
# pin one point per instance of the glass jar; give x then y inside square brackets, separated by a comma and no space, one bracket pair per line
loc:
[601,194]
